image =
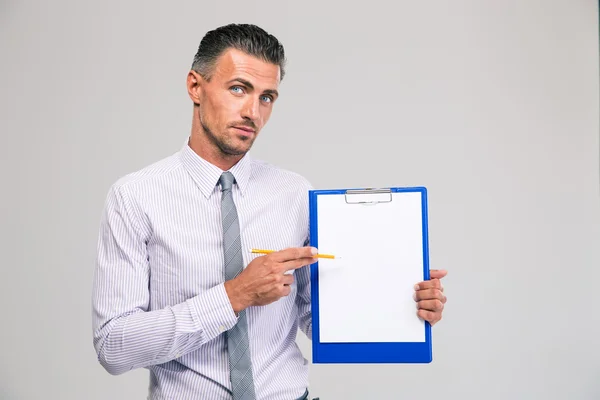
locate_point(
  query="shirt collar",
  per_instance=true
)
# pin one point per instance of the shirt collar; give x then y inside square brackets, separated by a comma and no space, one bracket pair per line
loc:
[206,175]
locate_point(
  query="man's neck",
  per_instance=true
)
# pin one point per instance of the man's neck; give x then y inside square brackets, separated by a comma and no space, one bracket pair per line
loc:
[210,154]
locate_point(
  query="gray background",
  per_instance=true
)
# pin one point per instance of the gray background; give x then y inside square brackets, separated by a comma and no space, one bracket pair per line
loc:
[492,105]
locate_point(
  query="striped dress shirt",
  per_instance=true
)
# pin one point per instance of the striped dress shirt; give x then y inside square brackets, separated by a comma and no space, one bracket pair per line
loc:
[158,293]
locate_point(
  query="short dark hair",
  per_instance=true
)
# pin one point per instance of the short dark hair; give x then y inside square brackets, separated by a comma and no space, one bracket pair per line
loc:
[248,38]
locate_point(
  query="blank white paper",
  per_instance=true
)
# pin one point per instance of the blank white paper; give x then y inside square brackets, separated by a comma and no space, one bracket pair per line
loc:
[367,294]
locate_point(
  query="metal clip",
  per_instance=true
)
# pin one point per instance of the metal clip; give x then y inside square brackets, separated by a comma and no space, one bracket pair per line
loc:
[361,196]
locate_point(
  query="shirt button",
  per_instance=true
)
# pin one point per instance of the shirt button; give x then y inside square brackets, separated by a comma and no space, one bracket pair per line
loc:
[222,328]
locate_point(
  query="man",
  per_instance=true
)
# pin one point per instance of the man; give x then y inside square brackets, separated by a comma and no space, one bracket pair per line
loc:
[175,288]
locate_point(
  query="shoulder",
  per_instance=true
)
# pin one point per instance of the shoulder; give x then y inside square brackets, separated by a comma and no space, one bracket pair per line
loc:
[148,176]
[132,188]
[265,171]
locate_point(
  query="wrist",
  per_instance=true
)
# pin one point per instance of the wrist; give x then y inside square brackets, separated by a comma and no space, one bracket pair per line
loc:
[235,298]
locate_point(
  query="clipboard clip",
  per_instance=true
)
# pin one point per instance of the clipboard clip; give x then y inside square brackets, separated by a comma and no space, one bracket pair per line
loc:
[368,196]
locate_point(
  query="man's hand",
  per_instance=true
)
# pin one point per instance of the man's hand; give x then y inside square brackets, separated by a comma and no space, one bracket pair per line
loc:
[430,297]
[264,280]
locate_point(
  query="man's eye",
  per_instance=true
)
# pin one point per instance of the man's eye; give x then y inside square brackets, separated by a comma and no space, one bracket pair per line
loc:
[236,89]
[267,99]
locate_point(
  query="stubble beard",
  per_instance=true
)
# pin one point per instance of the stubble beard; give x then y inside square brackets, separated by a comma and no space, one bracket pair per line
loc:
[226,148]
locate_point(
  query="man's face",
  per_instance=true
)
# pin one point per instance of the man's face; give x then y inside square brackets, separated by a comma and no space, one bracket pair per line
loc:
[237,101]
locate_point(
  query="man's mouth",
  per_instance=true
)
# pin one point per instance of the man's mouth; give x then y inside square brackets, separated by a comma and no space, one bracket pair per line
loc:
[244,130]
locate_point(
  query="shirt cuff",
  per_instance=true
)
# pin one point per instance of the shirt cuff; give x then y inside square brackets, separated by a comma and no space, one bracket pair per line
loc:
[212,312]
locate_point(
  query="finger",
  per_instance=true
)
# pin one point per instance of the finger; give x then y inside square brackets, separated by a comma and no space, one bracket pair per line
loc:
[430,305]
[429,294]
[430,284]
[430,316]
[293,253]
[287,280]
[437,273]
[285,290]
[295,264]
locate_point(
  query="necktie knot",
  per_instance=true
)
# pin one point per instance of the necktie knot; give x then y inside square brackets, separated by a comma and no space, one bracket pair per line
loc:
[226,180]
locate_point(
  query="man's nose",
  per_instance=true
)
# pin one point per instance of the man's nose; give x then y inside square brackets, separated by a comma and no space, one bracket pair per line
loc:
[251,109]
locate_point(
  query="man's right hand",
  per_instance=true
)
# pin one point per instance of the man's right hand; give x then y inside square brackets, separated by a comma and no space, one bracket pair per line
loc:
[264,280]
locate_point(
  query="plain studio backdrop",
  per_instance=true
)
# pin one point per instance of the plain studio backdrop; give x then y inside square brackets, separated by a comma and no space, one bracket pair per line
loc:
[492,105]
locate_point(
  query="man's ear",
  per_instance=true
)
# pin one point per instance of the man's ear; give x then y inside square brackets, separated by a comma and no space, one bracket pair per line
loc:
[195,84]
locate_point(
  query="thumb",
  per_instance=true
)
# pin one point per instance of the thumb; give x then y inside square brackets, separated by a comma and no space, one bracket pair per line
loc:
[437,273]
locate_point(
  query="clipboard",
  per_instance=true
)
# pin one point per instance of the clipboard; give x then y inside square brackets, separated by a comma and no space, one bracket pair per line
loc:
[362,302]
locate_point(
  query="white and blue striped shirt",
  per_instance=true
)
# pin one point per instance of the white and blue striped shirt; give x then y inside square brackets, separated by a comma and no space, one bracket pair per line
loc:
[158,295]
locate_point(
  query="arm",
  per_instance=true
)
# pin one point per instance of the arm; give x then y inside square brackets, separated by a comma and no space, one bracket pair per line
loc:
[126,334]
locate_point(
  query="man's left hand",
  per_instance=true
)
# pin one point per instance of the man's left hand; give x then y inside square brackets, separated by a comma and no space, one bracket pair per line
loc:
[430,297]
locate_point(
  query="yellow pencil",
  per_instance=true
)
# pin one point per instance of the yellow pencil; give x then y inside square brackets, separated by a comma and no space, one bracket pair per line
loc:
[261,251]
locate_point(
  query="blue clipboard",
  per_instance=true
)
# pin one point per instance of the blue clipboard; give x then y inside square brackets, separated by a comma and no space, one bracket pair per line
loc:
[364,214]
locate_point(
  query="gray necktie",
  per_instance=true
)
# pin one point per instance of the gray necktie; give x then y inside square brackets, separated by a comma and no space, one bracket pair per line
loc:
[240,366]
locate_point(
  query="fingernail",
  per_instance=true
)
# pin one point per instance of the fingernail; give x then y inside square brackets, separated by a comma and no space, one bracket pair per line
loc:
[314,250]
[415,296]
[417,286]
